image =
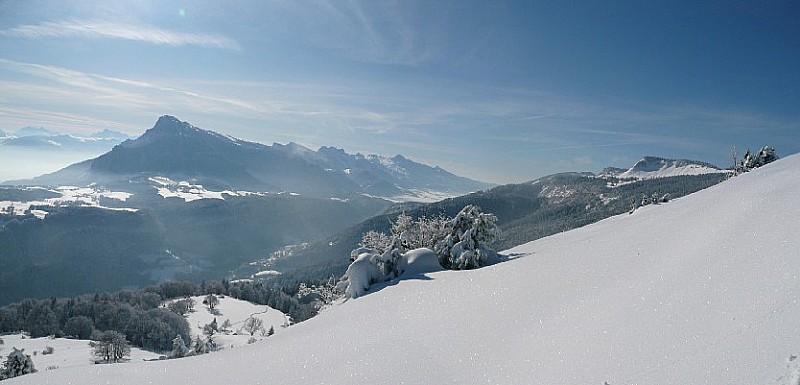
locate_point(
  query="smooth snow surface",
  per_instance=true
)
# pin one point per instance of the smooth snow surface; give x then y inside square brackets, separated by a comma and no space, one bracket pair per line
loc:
[67,353]
[702,290]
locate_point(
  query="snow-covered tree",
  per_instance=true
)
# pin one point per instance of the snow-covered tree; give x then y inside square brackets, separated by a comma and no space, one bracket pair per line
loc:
[201,346]
[322,295]
[764,156]
[271,331]
[110,346]
[17,364]
[254,325]
[430,230]
[179,348]
[402,232]
[376,241]
[466,247]
[226,325]
[211,301]
[210,329]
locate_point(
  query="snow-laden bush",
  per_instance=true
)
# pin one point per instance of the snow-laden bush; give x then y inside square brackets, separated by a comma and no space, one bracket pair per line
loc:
[361,273]
[459,243]
[17,364]
[365,270]
[179,348]
[203,346]
[764,156]
[466,246]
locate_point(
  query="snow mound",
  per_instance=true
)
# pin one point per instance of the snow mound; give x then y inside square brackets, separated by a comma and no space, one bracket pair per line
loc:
[701,291]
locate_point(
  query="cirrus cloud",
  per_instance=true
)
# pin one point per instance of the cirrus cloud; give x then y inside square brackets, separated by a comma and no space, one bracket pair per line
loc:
[104,29]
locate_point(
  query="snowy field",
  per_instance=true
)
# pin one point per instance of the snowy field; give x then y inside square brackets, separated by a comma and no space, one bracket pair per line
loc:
[68,195]
[702,290]
[235,311]
[67,353]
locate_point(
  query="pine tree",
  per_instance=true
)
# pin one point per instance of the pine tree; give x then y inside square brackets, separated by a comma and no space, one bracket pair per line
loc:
[271,331]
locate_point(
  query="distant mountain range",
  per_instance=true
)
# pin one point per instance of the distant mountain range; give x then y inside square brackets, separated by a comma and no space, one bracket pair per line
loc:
[43,138]
[180,202]
[179,151]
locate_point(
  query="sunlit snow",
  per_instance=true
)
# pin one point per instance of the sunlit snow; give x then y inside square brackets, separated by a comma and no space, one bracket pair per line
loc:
[702,290]
[189,191]
[68,196]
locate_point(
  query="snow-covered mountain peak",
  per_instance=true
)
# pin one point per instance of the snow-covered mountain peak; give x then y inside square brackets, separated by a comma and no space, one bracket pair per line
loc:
[657,167]
[34,131]
[110,134]
[180,151]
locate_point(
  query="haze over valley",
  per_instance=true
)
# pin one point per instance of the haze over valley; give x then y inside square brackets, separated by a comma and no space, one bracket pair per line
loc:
[381,192]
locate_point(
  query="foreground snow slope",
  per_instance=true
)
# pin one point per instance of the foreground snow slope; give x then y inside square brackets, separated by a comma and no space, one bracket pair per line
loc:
[702,290]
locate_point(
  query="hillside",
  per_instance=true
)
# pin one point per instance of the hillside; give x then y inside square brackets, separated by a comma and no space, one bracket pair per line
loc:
[700,290]
[67,353]
[525,212]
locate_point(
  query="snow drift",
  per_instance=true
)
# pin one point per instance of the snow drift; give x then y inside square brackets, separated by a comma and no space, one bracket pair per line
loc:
[702,290]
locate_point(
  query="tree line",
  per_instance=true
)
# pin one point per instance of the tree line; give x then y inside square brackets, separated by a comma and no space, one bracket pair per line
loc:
[141,316]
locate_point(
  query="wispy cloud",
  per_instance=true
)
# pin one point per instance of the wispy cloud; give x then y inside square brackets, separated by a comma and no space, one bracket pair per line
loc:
[365,31]
[103,29]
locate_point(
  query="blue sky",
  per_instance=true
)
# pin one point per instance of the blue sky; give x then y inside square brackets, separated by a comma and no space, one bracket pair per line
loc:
[497,91]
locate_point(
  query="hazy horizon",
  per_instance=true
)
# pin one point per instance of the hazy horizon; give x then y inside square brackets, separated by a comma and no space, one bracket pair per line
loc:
[503,91]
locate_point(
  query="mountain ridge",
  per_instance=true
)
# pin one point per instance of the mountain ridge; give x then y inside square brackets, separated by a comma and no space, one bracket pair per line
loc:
[658,167]
[181,151]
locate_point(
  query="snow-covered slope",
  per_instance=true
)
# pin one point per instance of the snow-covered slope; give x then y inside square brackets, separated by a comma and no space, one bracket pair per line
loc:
[702,290]
[236,312]
[655,167]
[67,353]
